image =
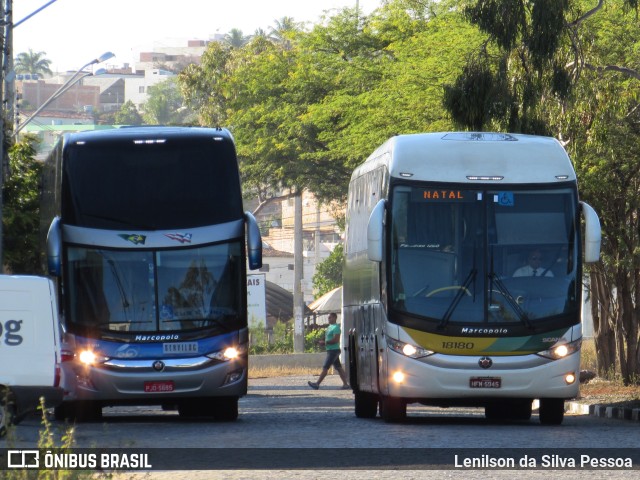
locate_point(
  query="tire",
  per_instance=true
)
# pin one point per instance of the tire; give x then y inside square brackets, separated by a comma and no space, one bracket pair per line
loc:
[393,409]
[226,409]
[366,405]
[551,411]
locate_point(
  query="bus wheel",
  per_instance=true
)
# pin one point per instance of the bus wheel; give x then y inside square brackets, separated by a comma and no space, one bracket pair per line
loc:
[551,411]
[366,405]
[392,409]
[226,409]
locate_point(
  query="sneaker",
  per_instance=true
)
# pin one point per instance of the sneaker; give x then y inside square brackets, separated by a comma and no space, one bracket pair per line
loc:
[314,385]
[346,387]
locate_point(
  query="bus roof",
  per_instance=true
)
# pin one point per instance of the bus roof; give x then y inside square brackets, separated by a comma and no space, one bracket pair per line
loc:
[473,157]
[146,132]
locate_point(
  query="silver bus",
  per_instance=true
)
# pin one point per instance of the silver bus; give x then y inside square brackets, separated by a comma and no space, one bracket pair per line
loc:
[148,241]
[441,305]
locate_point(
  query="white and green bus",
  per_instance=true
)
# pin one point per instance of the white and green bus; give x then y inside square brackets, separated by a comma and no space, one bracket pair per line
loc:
[440,306]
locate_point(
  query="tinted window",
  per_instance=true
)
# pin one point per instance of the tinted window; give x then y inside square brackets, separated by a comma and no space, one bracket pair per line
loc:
[180,183]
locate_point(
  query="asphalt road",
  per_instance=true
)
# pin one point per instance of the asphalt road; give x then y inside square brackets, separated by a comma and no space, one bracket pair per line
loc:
[324,439]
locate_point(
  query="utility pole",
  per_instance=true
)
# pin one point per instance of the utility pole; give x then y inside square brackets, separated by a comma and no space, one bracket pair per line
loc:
[6,48]
[298,299]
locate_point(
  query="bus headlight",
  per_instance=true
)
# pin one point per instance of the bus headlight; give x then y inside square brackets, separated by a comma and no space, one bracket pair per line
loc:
[89,357]
[229,353]
[407,349]
[561,351]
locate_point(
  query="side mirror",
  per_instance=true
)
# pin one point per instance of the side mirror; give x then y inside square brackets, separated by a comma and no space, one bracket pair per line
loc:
[592,234]
[54,248]
[254,242]
[375,232]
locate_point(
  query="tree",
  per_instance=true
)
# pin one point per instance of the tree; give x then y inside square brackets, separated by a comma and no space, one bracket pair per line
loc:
[21,209]
[235,38]
[284,31]
[32,62]
[128,114]
[329,272]
[557,67]
[164,105]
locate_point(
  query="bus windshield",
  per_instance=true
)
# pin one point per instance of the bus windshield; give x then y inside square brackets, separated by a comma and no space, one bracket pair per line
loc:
[151,185]
[147,291]
[462,256]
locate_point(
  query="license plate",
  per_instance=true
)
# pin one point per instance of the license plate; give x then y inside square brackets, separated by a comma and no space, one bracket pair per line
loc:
[485,382]
[159,387]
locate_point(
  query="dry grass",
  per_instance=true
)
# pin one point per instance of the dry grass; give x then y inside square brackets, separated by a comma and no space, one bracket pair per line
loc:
[280,371]
[608,390]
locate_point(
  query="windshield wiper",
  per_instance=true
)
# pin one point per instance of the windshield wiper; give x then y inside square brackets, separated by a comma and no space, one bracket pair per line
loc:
[456,300]
[513,303]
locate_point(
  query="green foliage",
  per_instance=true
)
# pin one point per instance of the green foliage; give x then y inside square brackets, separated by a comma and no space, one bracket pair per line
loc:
[279,340]
[503,20]
[312,340]
[329,272]
[165,104]
[307,107]
[128,114]
[21,209]
[32,62]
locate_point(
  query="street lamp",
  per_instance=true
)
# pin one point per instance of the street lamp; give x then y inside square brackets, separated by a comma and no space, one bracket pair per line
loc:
[75,78]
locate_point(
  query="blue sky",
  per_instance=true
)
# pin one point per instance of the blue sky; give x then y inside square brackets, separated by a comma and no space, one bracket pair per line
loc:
[72,32]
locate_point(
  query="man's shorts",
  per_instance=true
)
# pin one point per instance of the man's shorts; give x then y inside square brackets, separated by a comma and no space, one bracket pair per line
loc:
[333,358]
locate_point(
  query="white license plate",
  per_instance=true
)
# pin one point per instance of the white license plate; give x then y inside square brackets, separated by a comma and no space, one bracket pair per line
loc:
[485,382]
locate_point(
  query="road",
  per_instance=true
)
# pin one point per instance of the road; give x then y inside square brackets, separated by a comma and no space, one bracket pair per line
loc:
[285,413]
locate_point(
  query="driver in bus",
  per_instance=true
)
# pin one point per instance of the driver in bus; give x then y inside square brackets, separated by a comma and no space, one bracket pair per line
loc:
[534,267]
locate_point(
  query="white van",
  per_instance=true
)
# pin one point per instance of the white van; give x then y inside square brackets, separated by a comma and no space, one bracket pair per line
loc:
[29,347]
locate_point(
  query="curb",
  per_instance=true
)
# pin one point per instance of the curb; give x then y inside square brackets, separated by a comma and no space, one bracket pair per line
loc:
[603,411]
[621,413]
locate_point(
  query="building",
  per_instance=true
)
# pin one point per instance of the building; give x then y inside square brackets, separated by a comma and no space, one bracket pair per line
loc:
[320,236]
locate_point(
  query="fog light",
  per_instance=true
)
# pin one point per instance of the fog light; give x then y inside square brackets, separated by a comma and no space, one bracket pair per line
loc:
[569,378]
[398,377]
[233,377]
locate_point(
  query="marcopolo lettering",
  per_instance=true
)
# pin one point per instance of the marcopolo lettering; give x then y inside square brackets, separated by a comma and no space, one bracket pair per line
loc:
[484,331]
[156,338]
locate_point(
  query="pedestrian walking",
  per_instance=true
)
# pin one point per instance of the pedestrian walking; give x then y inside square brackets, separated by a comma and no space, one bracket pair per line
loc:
[332,345]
